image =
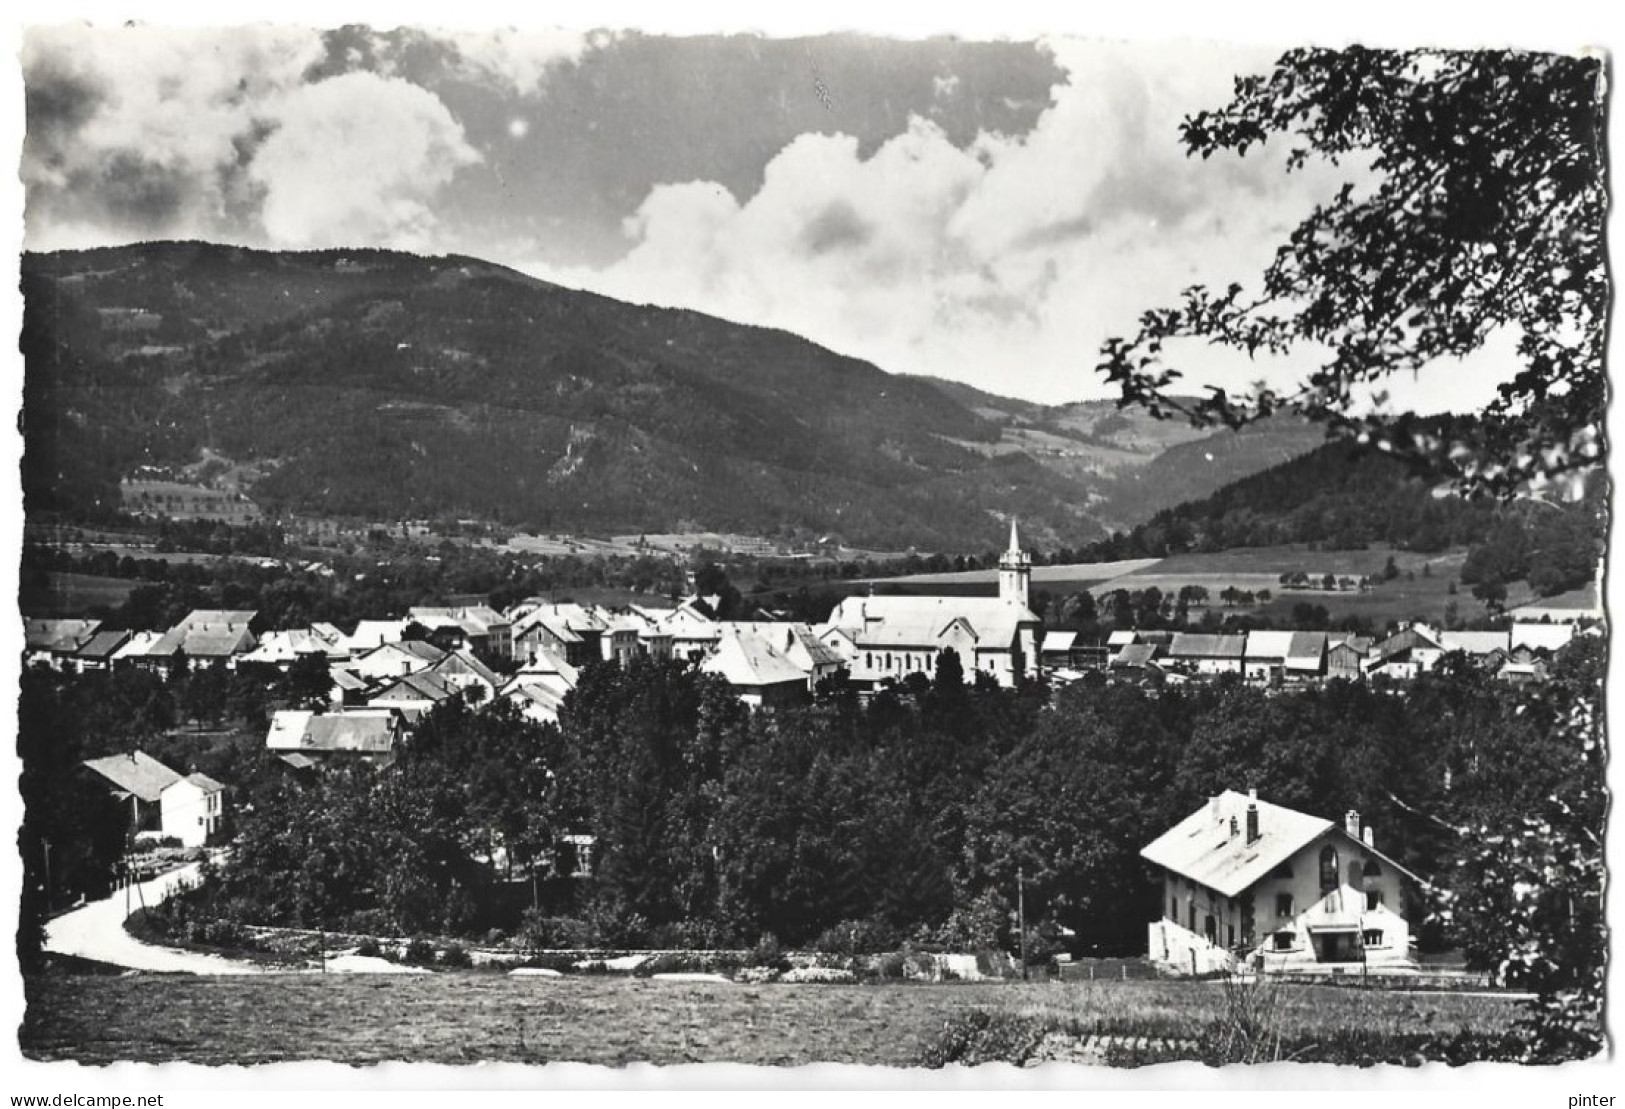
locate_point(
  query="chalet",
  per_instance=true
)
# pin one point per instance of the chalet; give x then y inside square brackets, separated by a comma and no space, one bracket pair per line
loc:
[139,779]
[693,630]
[193,809]
[54,642]
[797,642]
[1134,658]
[1058,649]
[366,735]
[1405,654]
[1541,637]
[478,627]
[281,649]
[1265,657]
[540,687]
[421,690]
[1245,881]
[760,674]
[137,652]
[888,638]
[1345,657]
[372,634]
[569,630]
[98,652]
[208,637]
[1208,654]
[395,660]
[1488,650]
[1306,656]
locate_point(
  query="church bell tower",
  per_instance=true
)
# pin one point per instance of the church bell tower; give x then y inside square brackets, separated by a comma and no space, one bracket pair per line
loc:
[1015,572]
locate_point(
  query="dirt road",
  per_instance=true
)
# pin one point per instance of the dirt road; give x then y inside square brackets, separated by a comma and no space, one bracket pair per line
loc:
[96,931]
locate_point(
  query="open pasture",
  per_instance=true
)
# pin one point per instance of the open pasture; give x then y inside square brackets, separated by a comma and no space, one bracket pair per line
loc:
[479,1016]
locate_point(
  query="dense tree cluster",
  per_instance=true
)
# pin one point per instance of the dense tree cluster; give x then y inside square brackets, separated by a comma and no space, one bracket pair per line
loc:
[912,811]
[1475,201]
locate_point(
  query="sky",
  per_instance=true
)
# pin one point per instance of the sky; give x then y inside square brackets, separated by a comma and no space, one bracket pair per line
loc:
[988,211]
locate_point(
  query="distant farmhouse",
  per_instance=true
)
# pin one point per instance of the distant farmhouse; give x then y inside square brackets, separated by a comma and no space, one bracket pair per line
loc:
[1248,882]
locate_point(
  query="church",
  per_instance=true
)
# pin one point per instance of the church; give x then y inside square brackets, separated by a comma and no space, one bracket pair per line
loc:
[883,638]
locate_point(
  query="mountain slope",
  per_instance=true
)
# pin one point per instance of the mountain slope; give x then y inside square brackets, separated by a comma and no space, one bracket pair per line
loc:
[389,386]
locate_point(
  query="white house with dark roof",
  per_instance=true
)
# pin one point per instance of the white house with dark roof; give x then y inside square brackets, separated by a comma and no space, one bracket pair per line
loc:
[888,638]
[1245,881]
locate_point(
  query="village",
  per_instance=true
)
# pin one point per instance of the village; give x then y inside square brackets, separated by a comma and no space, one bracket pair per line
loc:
[1273,895]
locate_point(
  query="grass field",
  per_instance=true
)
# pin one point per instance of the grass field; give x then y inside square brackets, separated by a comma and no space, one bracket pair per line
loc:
[474,1016]
[75,594]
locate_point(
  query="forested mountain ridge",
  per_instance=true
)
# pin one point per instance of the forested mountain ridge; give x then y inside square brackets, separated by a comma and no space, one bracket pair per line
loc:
[1345,496]
[377,384]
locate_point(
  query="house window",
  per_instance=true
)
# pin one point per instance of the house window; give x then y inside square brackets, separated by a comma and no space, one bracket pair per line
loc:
[1192,915]
[1373,900]
[1356,876]
[1283,904]
[1328,868]
[1173,908]
[1282,871]
[1371,869]
[1283,941]
[1372,937]
[1230,935]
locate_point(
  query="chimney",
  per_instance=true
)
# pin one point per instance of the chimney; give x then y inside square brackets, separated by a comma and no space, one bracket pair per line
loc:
[1213,809]
[1365,837]
[1252,816]
[1351,823]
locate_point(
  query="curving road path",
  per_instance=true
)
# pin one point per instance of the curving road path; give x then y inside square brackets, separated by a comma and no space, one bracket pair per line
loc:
[96,931]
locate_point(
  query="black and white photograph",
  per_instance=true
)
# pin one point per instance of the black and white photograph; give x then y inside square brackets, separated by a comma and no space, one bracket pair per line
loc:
[1048,553]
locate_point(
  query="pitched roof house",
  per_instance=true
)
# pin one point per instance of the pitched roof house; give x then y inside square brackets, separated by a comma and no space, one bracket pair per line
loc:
[137,778]
[759,673]
[1245,880]
[1208,654]
[370,735]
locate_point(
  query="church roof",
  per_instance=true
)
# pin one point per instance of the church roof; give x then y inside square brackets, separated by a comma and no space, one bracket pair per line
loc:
[922,622]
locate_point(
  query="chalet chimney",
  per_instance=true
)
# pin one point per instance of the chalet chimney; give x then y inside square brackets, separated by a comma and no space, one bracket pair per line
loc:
[1351,823]
[1213,809]
[1252,817]
[1365,836]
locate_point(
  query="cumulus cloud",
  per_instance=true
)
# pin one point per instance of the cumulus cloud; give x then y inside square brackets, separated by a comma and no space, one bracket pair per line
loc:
[356,158]
[141,129]
[521,60]
[1006,262]
[140,132]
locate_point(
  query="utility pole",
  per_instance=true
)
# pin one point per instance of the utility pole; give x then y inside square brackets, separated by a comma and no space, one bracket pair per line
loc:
[47,846]
[1021,918]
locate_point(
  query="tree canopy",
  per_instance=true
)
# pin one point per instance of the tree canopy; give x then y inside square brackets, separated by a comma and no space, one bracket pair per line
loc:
[1476,203]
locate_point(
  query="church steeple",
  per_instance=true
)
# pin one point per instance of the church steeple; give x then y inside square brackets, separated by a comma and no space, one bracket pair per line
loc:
[1015,571]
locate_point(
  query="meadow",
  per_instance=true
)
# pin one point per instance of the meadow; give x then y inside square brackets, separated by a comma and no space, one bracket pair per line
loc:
[477,1016]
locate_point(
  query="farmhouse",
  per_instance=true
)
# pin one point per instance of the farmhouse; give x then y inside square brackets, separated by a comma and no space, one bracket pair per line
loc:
[53,642]
[193,809]
[1209,654]
[137,778]
[760,673]
[1247,881]
[884,638]
[367,735]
